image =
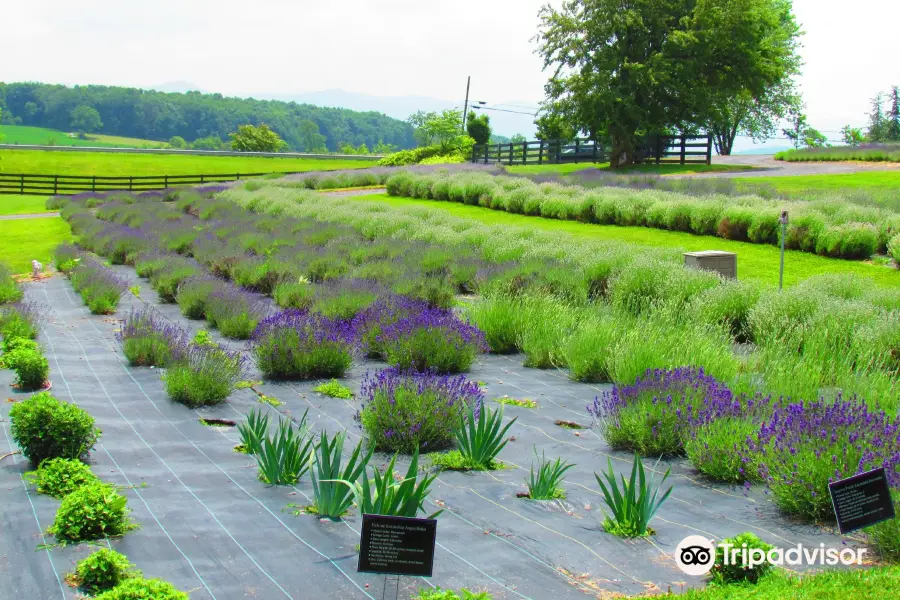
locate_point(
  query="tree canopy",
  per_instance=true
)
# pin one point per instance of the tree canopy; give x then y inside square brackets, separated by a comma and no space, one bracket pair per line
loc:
[625,69]
[85,119]
[479,128]
[259,138]
[160,116]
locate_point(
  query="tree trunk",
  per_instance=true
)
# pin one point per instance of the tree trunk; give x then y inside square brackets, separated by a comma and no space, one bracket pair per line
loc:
[622,152]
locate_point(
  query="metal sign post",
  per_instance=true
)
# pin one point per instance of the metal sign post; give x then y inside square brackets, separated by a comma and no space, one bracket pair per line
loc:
[784,221]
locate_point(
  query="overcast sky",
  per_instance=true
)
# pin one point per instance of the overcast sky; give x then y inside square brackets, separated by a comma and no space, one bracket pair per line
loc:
[384,48]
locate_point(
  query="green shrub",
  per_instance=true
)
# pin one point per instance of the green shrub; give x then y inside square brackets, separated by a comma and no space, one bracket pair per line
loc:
[31,368]
[727,304]
[92,512]
[294,295]
[480,439]
[332,498]
[851,240]
[765,227]
[143,589]
[735,223]
[546,484]
[439,594]
[720,450]
[206,376]
[43,427]
[18,321]
[893,248]
[391,494]
[498,319]
[12,348]
[103,570]
[282,458]
[737,571]
[59,477]
[588,349]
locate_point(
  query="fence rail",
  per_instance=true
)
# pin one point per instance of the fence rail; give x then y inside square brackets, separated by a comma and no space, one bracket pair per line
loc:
[681,149]
[362,157]
[51,185]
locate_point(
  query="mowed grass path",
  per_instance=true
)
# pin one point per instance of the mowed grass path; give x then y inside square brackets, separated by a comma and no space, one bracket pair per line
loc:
[755,261]
[22,240]
[40,162]
[22,205]
[41,136]
[653,169]
[887,180]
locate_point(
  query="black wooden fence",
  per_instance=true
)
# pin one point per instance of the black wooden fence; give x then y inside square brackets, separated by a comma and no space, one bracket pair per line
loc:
[682,149]
[50,185]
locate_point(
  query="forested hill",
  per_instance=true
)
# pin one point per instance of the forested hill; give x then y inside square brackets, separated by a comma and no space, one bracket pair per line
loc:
[155,115]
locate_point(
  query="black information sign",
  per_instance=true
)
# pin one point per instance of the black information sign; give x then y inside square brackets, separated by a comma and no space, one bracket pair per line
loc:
[397,545]
[861,500]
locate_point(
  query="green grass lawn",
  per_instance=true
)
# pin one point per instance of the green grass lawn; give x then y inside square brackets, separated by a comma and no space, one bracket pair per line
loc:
[665,169]
[850,584]
[22,205]
[40,162]
[22,240]
[40,136]
[755,261]
[876,181]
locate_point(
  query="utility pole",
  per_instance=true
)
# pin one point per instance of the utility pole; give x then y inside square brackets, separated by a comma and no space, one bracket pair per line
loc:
[466,105]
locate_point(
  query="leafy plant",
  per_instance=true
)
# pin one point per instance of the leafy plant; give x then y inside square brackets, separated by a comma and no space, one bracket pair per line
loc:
[432,340]
[31,368]
[254,430]
[736,571]
[439,594]
[480,439]
[143,589]
[633,505]
[9,291]
[520,402]
[298,345]
[43,427]
[206,375]
[92,512]
[59,477]
[284,458]
[885,536]
[333,498]
[391,495]
[546,484]
[103,570]
[334,389]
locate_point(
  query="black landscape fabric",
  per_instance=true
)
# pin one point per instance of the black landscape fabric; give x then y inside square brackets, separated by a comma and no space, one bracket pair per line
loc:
[209,526]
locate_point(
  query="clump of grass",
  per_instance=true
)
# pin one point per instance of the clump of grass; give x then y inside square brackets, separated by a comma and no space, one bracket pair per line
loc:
[204,375]
[481,438]
[334,389]
[546,483]
[332,497]
[520,402]
[633,504]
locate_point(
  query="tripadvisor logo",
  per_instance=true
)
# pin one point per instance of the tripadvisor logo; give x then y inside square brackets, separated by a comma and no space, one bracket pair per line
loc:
[696,555]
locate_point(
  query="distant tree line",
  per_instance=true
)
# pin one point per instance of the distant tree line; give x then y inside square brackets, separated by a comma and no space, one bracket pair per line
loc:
[201,120]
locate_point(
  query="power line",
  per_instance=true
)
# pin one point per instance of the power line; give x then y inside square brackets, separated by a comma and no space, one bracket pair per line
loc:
[476,107]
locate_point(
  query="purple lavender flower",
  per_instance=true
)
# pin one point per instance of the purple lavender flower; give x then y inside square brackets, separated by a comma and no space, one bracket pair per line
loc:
[297,344]
[407,411]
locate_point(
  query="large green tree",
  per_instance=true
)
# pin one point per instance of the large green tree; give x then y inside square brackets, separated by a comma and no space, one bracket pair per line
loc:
[85,119]
[479,128]
[623,68]
[260,138]
[436,128]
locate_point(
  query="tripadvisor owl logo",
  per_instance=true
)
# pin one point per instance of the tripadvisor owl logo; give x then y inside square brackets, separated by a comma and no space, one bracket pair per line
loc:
[695,555]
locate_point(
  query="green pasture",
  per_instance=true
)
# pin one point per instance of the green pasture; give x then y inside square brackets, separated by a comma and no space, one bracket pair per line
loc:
[876,181]
[22,205]
[755,261]
[41,136]
[48,162]
[22,240]
[662,169]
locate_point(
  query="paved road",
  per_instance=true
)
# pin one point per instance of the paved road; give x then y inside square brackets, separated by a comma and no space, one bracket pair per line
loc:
[767,166]
[44,215]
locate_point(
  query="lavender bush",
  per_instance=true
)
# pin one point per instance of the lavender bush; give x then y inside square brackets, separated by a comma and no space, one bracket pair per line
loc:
[193,294]
[805,445]
[204,374]
[384,312]
[168,274]
[234,312]
[100,287]
[406,411]
[649,417]
[432,339]
[296,344]
[148,340]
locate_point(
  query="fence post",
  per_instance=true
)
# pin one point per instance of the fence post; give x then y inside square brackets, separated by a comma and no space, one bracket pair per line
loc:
[22,183]
[595,151]
[541,153]
[201,179]
[524,152]
[166,180]
[486,153]
[577,148]
[238,177]
[130,183]
[709,143]
[657,141]
[93,183]
[55,184]
[682,147]
[558,150]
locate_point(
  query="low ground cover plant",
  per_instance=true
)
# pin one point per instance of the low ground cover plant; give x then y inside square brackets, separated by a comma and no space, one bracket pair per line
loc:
[408,411]
[233,312]
[59,477]
[865,152]
[439,594]
[193,294]
[737,571]
[433,339]
[43,427]
[885,536]
[100,287]
[334,389]
[92,512]
[143,589]
[296,344]
[103,570]
[19,320]
[632,504]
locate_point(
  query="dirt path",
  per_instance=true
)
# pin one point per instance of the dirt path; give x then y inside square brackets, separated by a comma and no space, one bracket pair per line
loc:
[29,216]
